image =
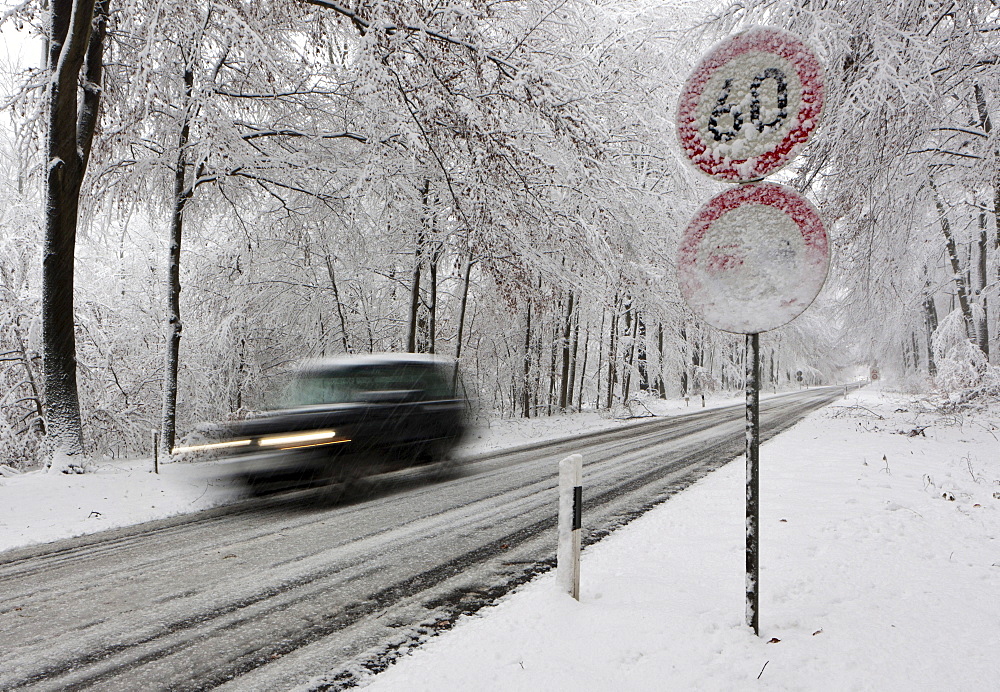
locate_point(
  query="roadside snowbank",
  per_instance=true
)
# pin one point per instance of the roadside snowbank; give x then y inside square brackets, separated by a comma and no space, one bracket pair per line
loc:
[880,569]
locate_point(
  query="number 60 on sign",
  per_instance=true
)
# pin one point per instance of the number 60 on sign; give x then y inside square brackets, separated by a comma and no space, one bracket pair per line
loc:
[750,104]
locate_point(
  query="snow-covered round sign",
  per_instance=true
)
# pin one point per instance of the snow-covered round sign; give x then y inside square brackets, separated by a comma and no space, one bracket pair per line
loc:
[750,104]
[753,258]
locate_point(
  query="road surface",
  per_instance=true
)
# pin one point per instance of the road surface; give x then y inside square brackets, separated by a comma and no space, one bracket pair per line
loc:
[296,590]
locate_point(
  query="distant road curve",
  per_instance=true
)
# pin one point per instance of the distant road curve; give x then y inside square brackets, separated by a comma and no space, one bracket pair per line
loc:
[293,590]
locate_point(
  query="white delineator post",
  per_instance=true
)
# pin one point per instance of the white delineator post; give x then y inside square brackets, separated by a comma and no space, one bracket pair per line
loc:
[570,525]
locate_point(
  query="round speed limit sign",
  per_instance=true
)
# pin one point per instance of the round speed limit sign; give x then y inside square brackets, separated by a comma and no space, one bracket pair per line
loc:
[750,104]
[753,258]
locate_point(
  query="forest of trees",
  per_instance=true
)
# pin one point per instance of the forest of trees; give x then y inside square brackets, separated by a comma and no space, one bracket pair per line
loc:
[261,182]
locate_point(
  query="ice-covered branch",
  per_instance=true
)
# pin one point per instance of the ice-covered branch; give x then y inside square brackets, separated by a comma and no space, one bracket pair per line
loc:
[974,133]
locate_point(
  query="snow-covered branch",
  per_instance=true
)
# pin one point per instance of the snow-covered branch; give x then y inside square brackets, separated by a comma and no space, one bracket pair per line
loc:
[309,135]
[364,26]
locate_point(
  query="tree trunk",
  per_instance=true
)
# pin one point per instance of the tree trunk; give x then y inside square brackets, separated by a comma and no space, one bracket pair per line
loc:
[633,349]
[685,369]
[612,354]
[661,381]
[75,43]
[930,326]
[629,355]
[432,301]
[583,369]
[996,248]
[241,372]
[987,124]
[956,265]
[640,345]
[982,332]
[574,355]
[526,383]
[340,307]
[464,305]
[182,193]
[411,337]
[553,348]
[565,388]
[979,289]
[536,387]
[996,255]
[600,359]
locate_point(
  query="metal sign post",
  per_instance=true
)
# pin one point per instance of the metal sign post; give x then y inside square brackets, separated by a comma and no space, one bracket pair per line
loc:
[754,257]
[753,478]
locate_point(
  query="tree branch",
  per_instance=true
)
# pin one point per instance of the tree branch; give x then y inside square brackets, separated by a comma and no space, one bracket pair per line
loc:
[10,12]
[262,180]
[974,133]
[274,95]
[312,135]
[93,73]
[946,151]
[364,26]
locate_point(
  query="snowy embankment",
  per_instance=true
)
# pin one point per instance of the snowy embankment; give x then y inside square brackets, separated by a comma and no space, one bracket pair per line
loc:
[39,507]
[880,570]
[880,564]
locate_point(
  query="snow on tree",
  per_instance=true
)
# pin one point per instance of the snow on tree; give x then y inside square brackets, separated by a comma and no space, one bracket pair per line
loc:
[904,166]
[497,181]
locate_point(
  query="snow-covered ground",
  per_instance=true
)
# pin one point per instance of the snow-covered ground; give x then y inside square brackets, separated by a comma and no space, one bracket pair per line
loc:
[880,570]
[880,564]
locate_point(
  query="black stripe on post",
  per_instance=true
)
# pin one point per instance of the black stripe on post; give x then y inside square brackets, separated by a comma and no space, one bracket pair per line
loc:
[577,507]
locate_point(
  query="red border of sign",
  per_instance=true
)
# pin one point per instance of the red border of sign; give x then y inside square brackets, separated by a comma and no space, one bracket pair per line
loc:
[765,39]
[817,250]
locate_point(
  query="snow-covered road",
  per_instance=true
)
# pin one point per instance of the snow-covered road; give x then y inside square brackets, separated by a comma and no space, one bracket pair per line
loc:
[291,588]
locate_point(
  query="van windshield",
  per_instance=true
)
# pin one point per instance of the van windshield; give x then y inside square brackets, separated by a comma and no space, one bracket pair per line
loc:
[350,384]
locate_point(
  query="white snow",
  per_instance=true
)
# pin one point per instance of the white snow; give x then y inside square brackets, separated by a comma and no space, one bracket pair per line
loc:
[880,564]
[872,577]
[41,507]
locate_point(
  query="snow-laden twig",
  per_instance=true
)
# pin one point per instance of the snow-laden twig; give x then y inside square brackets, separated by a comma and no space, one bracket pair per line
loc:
[11,11]
[855,407]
